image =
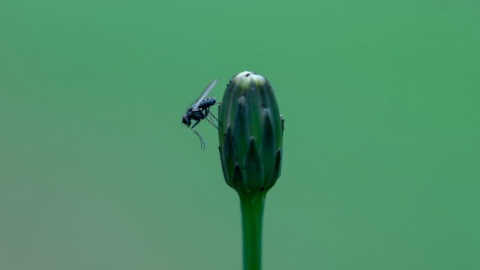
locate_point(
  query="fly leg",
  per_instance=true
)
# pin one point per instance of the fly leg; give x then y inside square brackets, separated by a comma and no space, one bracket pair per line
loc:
[216,119]
[210,120]
[202,142]
[196,123]
[212,123]
[213,115]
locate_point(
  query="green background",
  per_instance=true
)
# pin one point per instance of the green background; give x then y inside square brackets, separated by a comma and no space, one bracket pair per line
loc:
[381,148]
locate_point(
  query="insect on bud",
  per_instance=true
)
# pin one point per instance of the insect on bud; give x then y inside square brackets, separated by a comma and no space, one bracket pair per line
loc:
[250,134]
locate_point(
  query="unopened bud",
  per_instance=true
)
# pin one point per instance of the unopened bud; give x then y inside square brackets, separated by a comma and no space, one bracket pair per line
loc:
[250,134]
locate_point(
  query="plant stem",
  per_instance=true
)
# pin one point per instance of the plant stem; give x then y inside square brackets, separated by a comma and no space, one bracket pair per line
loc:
[252,215]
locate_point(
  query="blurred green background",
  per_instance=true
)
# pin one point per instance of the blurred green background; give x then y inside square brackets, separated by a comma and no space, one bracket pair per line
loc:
[381,162]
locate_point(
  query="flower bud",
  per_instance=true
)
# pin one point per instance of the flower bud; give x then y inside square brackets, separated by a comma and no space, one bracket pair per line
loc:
[250,134]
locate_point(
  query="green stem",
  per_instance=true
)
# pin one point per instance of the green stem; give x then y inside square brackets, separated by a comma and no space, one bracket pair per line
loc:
[252,214]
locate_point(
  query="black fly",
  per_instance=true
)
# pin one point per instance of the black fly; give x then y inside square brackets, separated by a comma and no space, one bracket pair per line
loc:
[200,110]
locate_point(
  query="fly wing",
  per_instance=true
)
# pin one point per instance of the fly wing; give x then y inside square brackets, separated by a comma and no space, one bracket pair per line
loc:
[204,94]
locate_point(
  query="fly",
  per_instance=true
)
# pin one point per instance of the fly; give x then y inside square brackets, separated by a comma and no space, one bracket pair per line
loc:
[200,110]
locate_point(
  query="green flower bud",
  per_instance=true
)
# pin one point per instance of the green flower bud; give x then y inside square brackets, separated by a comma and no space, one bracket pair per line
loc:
[250,134]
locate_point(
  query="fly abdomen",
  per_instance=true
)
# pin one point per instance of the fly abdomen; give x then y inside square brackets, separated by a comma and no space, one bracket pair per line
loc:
[207,103]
